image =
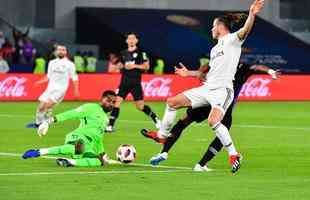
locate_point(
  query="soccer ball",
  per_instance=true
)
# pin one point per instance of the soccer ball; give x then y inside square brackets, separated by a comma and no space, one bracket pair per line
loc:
[126,153]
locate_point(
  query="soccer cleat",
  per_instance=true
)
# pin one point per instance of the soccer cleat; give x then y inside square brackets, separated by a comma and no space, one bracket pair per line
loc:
[63,162]
[157,123]
[32,125]
[199,168]
[153,135]
[155,160]
[234,162]
[109,129]
[32,153]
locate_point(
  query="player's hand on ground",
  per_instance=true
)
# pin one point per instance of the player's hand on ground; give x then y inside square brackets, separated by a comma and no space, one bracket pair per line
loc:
[43,128]
[181,70]
[256,7]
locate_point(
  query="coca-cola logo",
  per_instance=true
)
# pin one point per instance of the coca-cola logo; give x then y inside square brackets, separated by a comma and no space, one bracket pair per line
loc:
[12,87]
[256,87]
[157,87]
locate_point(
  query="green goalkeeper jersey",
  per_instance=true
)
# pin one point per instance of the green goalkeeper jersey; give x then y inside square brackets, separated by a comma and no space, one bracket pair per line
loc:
[91,116]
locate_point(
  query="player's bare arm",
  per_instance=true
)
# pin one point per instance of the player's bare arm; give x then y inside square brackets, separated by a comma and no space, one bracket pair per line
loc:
[41,81]
[255,8]
[263,68]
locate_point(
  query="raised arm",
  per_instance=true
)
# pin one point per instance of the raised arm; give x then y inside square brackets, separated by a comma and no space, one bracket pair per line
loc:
[263,68]
[255,8]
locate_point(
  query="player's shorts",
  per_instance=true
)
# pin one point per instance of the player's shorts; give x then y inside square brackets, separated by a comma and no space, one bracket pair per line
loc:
[131,86]
[54,95]
[92,145]
[218,98]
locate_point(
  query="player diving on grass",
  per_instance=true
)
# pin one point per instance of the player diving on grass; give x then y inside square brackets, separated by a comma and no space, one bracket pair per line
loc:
[84,144]
[218,88]
[59,71]
[244,71]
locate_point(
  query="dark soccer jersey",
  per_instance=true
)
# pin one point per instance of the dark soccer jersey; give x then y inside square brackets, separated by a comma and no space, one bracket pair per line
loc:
[244,71]
[135,57]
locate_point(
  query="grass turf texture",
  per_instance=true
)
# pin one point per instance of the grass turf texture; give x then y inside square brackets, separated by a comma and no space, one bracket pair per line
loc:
[273,138]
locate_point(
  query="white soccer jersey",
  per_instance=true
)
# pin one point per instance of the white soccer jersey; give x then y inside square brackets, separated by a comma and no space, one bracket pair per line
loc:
[59,73]
[224,59]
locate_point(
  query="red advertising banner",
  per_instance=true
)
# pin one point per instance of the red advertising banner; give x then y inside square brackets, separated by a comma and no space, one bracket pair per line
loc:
[21,87]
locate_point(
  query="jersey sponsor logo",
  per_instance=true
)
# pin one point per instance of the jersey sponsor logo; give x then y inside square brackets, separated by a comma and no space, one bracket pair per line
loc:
[13,87]
[135,55]
[218,54]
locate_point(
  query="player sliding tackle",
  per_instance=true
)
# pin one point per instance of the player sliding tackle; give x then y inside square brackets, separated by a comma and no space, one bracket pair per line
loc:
[218,88]
[84,144]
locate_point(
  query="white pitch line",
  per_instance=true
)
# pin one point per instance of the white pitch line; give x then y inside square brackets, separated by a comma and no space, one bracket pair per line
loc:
[303,128]
[130,164]
[94,172]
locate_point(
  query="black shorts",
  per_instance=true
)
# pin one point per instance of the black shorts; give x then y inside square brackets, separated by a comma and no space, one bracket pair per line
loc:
[130,86]
[202,113]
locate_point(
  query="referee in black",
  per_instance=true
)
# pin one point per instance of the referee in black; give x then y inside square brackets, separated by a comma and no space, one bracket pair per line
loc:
[135,62]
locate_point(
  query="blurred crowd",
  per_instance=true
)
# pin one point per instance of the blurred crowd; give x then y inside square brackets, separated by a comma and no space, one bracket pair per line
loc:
[22,52]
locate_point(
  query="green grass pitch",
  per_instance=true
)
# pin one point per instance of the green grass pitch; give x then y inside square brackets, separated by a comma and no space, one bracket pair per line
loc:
[274,138]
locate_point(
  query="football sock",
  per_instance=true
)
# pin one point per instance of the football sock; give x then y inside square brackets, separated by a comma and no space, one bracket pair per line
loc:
[67,149]
[48,114]
[215,147]
[40,115]
[222,133]
[176,131]
[148,111]
[169,116]
[114,115]
[86,162]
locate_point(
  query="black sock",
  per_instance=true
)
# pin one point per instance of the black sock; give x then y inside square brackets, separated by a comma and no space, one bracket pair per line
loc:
[176,131]
[148,111]
[215,146]
[113,116]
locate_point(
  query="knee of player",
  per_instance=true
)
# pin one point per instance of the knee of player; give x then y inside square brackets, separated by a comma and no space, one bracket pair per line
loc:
[139,107]
[171,103]
[212,122]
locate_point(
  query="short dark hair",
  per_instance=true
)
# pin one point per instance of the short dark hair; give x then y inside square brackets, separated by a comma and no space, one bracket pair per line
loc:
[231,20]
[132,33]
[108,93]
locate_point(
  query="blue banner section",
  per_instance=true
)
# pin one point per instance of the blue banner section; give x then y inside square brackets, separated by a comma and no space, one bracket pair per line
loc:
[185,36]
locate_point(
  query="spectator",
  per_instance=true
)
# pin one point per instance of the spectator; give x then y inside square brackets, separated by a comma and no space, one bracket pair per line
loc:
[79,62]
[2,39]
[28,51]
[91,61]
[160,66]
[19,38]
[40,64]
[7,51]
[114,63]
[4,66]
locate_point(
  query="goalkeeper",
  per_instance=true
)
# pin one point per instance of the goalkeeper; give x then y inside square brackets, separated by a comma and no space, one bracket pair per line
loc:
[84,144]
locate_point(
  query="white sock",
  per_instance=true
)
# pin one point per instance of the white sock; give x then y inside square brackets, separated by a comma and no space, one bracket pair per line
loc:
[48,114]
[168,119]
[222,133]
[43,151]
[39,117]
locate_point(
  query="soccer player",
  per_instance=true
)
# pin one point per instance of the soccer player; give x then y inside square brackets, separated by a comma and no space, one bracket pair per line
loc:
[244,71]
[218,88]
[84,144]
[60,70]
[134,62]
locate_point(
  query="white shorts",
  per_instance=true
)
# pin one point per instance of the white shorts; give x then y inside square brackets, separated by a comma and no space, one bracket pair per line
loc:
[54,95]
[218,98]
